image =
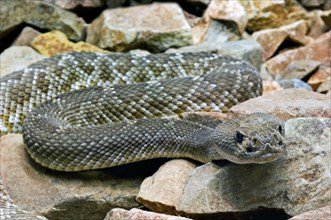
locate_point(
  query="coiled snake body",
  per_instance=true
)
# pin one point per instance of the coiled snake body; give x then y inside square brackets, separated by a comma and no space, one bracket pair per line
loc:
[123,119]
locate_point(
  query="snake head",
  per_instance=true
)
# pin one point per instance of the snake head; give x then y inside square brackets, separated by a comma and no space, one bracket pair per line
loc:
[255,138]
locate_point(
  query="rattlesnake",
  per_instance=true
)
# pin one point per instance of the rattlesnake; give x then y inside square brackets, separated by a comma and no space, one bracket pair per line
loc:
[120,118]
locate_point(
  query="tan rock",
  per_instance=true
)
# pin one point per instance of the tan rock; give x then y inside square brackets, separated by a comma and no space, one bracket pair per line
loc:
[319,50]
[320,76]
[137,214]
[271,39]
[25,37]
[287,104]
[72,4]
[160,187]
[272,14]
[58,195]
[317,26]
[321,213]
[161,26]
[295,183]
[271,86]
[56,42]
[16,58]
[325,87]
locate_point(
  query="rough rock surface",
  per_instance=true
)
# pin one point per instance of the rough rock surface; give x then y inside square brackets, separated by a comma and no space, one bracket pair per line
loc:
[287,104]
[56,42]
[319,50]
[271,86]
[271,39]
[160,27]
[271,14]
[137,214]
[41,15]
[320,76]
[299,69]
[297,182]
[26,36]
[248,50]
[58,195]
[323,213]
[16,58]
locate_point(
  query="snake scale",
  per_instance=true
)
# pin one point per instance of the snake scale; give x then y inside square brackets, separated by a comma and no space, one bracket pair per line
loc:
[106,109]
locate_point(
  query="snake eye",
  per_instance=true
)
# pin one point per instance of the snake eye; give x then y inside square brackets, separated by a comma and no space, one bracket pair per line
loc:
[239,137]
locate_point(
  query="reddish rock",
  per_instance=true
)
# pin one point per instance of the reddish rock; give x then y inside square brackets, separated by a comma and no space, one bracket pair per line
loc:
[320,76]
[271,39]
[319,50]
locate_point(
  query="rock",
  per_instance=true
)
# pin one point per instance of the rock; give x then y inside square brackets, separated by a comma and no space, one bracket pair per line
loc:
[271,86]
[222,21]
[160,27]
[287,104]
[321,213]
[25,37]
[16,58]
[271,39]
[320,76]
[56,42]
[160,187]
[299,69]
[248,50]
[326,17]
[41,15]
[317,51]
[295,183]
[317,25]
[137,214]
[217,32]
[58,195]
[294,83]
[73,4]
[316,4]
[325,86]
[272,14]
[229,11]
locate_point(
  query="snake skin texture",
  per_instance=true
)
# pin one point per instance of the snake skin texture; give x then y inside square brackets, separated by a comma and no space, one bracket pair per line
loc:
[84,111]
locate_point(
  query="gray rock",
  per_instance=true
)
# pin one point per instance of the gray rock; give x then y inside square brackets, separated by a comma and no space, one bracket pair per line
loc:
[137,214]
[16,58]
[160,27]
[41,15]
[297,182]
[294,83]
[298,69]
[287,104]
[248,50]
[58,195]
